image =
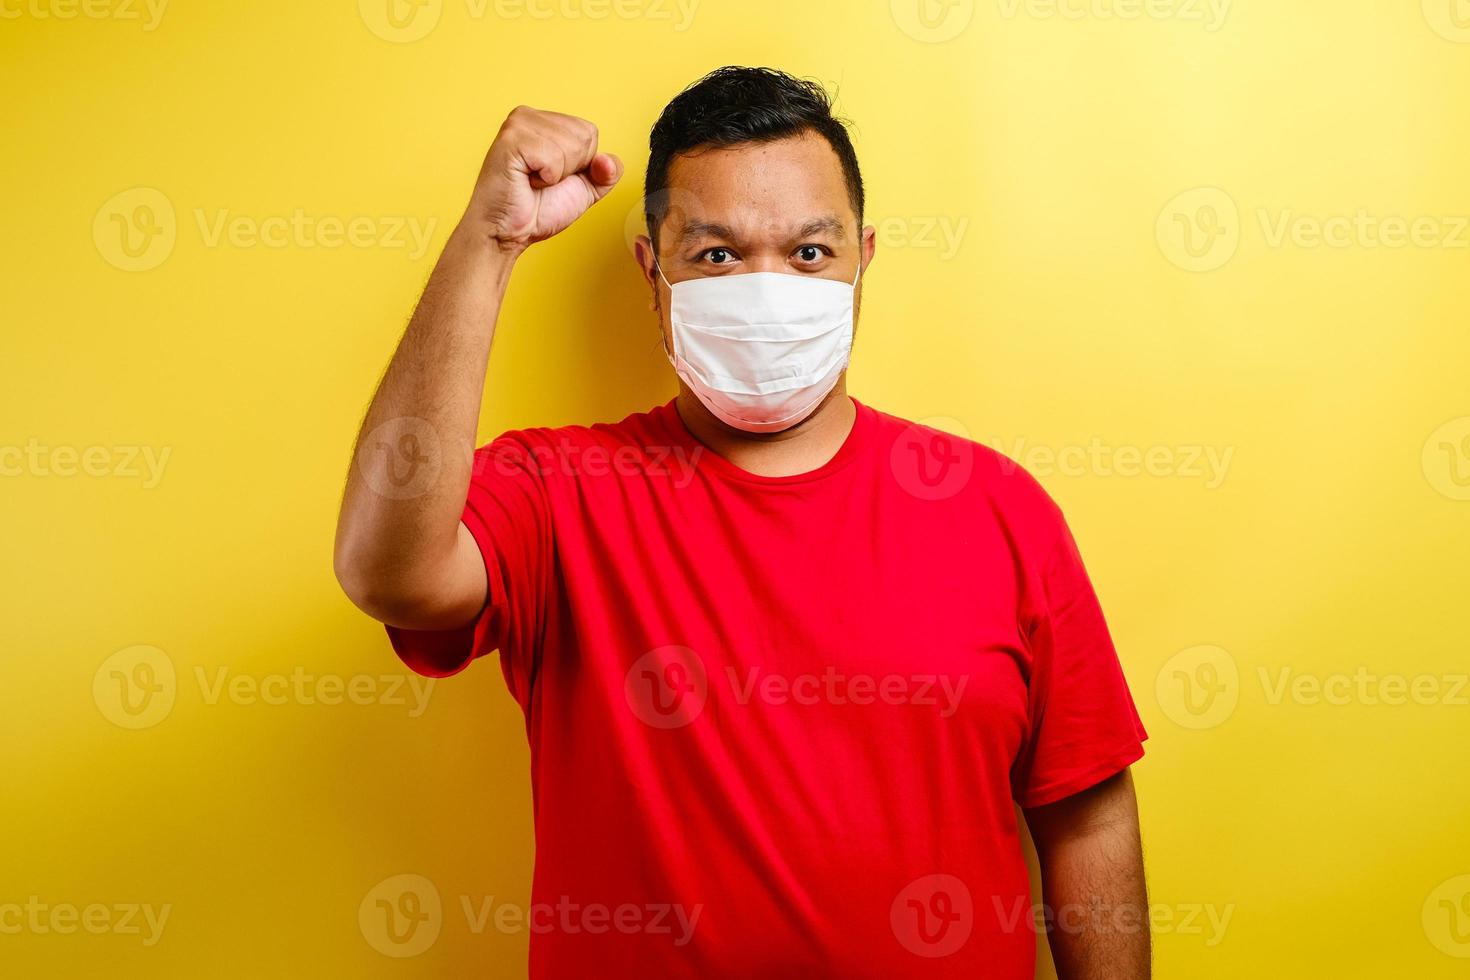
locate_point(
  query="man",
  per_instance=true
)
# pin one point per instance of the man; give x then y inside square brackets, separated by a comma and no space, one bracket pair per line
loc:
[787,663]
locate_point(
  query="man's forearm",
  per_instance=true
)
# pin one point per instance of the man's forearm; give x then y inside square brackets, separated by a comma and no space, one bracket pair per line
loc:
[411,468]
[1093,883]
[401,552]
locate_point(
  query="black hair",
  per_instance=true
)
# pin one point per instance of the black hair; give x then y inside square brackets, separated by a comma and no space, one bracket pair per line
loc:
[734,105]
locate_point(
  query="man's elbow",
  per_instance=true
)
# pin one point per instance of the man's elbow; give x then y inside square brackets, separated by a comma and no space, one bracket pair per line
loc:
[371,582]
[397,590]
[358,580]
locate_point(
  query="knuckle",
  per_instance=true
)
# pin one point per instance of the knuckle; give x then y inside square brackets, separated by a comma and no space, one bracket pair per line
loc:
[520,118]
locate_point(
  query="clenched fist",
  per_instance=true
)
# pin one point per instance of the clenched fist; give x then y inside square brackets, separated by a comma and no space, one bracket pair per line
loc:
[541,173]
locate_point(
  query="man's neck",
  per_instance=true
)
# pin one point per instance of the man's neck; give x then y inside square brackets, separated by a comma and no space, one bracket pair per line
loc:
[802,448]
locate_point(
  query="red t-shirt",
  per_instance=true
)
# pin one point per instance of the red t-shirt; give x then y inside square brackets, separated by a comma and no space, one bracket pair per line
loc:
[778,725]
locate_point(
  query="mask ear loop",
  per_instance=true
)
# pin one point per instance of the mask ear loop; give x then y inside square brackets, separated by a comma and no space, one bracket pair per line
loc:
[852,329]
[673,330]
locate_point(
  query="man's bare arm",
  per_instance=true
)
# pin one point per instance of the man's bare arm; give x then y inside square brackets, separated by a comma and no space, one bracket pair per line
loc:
[401,553]
[1093,883]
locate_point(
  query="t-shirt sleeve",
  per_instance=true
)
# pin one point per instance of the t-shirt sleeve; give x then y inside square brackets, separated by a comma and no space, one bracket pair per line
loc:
[1083,725]
[508,513]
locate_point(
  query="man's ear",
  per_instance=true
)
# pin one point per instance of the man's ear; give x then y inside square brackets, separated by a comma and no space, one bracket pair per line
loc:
[647,257]
[869,237]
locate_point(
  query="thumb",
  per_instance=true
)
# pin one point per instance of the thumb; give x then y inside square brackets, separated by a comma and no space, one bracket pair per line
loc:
[603,173]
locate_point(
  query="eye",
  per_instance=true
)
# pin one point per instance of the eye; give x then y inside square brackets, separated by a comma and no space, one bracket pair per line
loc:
[810,253]
[719,256]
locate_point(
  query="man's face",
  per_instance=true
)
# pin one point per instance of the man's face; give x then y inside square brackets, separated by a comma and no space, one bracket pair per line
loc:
[756,207]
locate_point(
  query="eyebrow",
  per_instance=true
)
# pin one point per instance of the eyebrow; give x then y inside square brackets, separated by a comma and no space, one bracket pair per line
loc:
[829,224]
[695,230]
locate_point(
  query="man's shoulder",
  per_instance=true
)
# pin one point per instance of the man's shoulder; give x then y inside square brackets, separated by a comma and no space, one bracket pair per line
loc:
[937,456]
[586,449]
[630,428]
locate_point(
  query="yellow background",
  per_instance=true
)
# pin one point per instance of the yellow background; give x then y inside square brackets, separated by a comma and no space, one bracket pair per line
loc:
[1051,146]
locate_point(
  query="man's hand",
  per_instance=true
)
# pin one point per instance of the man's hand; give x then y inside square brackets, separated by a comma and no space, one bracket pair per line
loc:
[542,172]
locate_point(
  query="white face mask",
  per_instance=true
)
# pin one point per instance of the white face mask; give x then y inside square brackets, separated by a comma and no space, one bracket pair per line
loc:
[761,349]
